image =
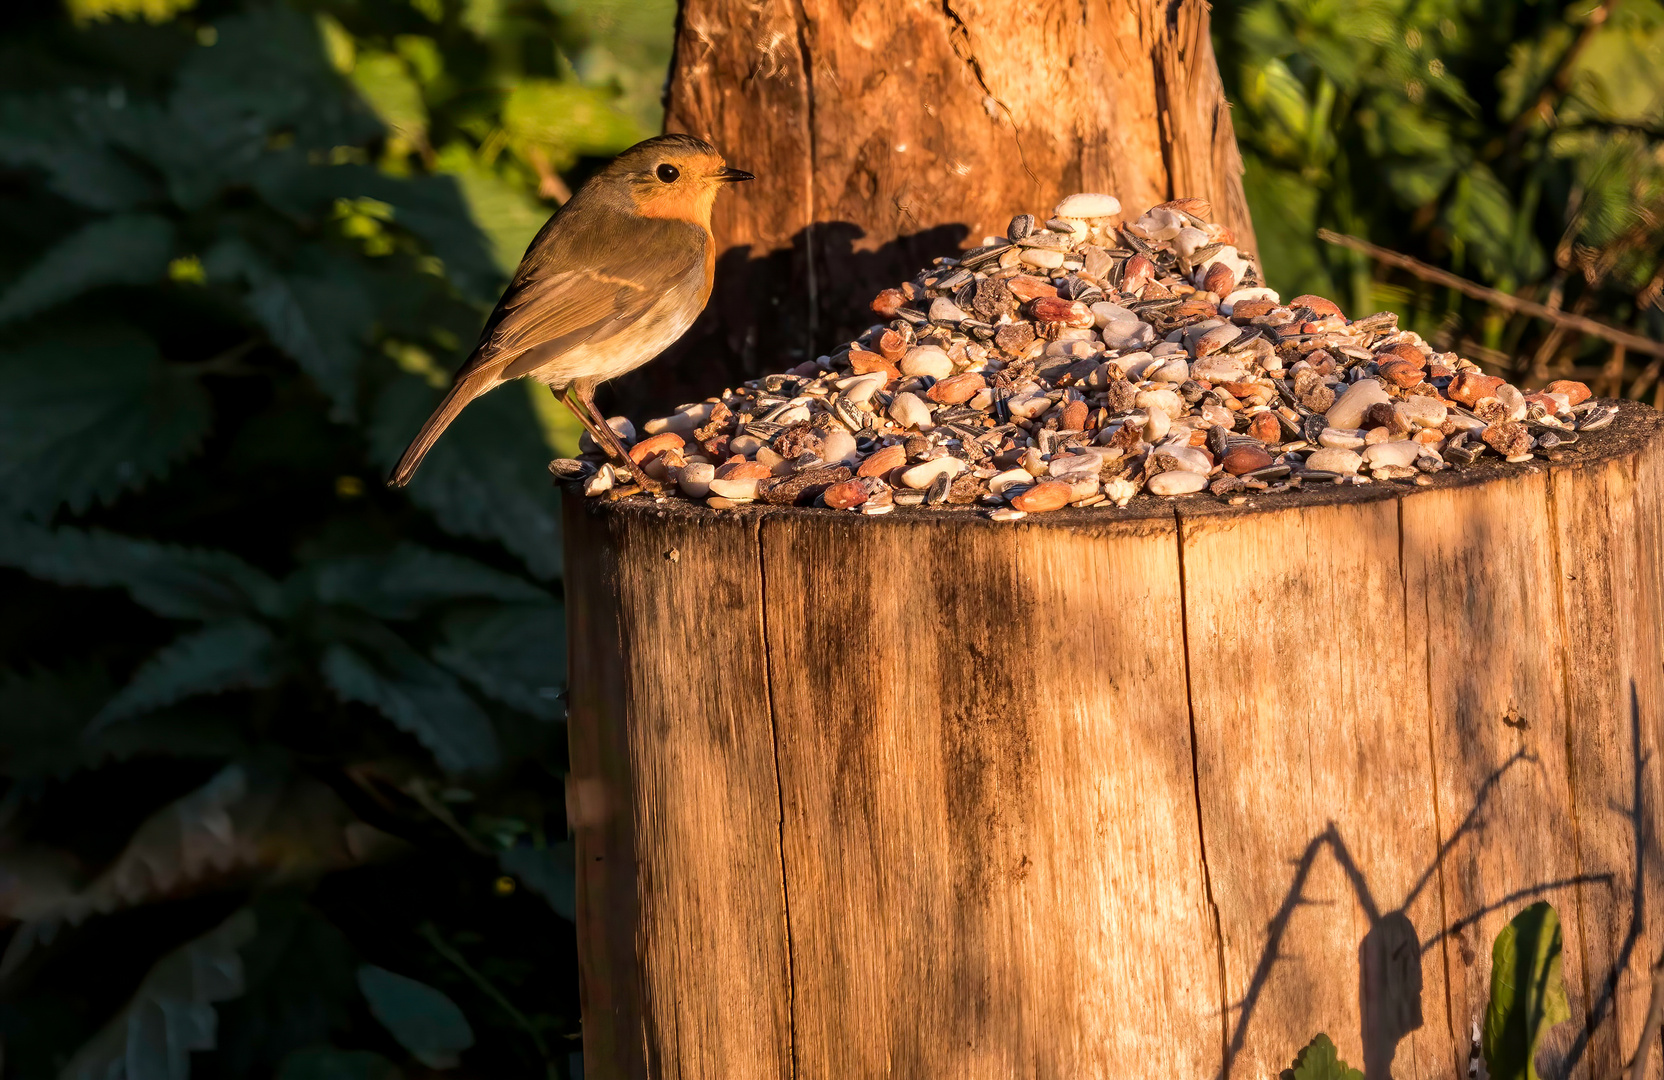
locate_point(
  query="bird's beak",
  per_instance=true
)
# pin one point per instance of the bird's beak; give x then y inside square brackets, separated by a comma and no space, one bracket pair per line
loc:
[733,176]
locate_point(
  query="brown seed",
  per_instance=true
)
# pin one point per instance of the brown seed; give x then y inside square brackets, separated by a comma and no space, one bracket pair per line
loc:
[1317,305]
[1052,309]
[1199,207]
[1470,386]
[1246,311]
[1219,280]
[1026,287]
[844,495]
[1195,307]
[1265,428]
[888,302]
[1014,338]
[1577,393]
[1136,273]
[1401,373]
[744,470]
[1402,351]
[801,488]
[1042,497]
[957,389]
[882,461]
[646,448]
[1507,438]
[1245,459]
[1073,418]
[862,362]
[891,345]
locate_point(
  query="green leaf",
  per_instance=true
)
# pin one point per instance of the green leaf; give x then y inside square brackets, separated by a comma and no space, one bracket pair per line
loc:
[318,312]
[431,208]
[487,476]
[86,418]
[128,249]
[386,84]
[410,579]
[419,696]
[172,1012]
[548,872]
[422,1019]
[504,213]
[1320,1061]
[67,136]
[328,1063]
[515,654]
[1528,993]
[234,655]
[180,583]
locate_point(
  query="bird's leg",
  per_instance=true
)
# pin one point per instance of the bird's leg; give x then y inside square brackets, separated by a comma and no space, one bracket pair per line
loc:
[605,437]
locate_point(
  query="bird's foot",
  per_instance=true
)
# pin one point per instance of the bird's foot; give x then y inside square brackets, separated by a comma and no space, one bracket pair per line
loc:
[643,482]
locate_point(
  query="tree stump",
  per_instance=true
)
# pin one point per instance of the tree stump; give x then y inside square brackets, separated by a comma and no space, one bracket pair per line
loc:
[1157,792]
[883,135]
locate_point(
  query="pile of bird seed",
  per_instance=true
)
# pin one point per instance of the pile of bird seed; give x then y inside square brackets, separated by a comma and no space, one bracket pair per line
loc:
[1086,360]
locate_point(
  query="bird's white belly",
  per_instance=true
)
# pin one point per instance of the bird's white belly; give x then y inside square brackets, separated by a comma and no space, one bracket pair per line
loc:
[649,336]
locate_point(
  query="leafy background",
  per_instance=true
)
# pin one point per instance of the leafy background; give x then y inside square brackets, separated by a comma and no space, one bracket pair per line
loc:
[281,752]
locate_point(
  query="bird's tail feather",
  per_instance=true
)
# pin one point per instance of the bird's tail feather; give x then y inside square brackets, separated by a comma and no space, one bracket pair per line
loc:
[460,395]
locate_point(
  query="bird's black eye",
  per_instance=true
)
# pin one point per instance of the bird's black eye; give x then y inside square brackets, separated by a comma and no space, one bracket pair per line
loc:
[668,174]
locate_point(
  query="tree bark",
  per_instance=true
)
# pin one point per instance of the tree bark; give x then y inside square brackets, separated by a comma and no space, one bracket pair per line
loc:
[1163,791]
[885,134]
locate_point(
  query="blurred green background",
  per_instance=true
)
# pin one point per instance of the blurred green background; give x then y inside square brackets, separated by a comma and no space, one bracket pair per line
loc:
[281,753]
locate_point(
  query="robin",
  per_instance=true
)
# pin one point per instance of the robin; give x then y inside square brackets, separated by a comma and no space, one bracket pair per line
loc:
[613,278]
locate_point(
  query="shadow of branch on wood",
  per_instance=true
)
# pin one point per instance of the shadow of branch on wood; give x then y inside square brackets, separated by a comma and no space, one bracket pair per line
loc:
[1390,954]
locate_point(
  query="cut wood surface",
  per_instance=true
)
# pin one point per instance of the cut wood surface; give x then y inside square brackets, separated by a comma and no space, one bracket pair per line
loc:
[886,134]
[1159,791]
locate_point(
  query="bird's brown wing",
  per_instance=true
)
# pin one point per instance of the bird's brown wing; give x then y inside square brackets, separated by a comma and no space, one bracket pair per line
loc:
[552,308]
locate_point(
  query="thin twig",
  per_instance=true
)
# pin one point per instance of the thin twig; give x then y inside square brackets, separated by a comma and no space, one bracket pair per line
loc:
[443,948]
[1561,79]
[1506,301]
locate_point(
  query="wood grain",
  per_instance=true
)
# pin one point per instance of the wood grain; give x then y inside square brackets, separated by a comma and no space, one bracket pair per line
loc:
[674,804]
[1607,529]
[1000,760]
[1316,787]
[884,135]
[1103,793]
[1479,574]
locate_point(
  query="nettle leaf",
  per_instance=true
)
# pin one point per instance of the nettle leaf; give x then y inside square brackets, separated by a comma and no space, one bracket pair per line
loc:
[432,208]
[422,1019]
[267,71]
[180,583]
[66,136]
[45,712]
[487,476]
[410,579]
[515,654]
[82,421]
[419,696]
[318,312]
[237,654]
[328,1063]
[127,249]
[547,871]
[1320,1061]
[172,1012]
[1528,993]
[186,583]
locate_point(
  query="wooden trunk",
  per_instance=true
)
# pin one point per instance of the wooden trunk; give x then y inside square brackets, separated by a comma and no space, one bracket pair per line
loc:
[885,134]
[1159,792]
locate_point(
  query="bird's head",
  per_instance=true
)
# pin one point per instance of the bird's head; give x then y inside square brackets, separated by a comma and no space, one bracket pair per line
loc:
[673,176]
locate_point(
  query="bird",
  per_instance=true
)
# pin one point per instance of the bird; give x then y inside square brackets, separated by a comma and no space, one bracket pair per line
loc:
[615,276]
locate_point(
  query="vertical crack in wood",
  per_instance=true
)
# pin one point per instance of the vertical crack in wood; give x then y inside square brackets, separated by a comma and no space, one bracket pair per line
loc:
[779,798]
[1196,790]
[1590,1021]
[959,40]
[1433,766]
[801,19]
